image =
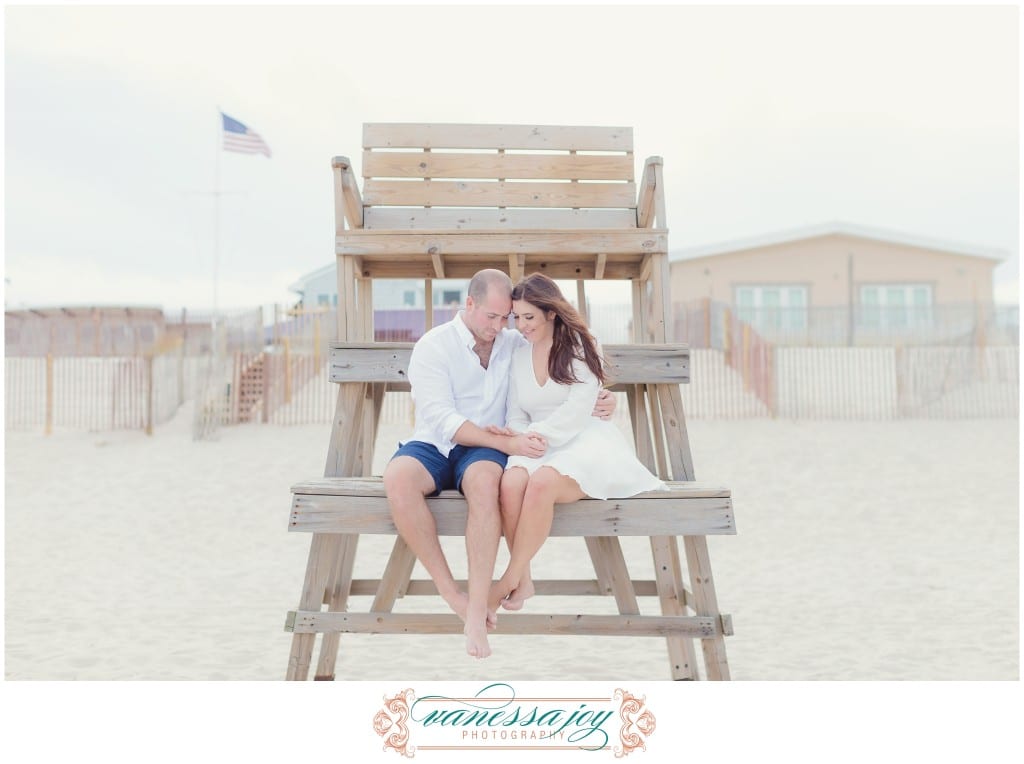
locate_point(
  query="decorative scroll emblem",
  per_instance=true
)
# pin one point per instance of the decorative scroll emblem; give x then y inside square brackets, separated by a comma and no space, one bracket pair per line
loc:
[495,718]
[636,726]
[390,721]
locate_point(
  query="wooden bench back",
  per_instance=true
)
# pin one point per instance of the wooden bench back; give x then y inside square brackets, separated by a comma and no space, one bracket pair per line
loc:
[449,176]
[388,362]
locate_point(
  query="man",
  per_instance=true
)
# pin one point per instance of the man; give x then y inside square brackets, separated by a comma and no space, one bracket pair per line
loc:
[459,372]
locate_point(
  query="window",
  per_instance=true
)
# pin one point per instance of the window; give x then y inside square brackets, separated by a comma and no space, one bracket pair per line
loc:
[773,307]
[323,299]
[409,297]
[451,296]
[895,306]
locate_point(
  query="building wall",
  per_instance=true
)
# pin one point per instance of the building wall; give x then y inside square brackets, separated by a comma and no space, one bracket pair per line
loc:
[822,265]
[322,290]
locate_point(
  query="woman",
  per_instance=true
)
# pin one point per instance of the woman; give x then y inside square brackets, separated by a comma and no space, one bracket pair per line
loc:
[555,380]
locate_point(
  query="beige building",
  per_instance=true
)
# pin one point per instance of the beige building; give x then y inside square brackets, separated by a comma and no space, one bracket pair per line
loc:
[798,279]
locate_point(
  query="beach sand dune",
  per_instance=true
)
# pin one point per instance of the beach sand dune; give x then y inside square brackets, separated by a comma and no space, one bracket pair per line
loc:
[866,550]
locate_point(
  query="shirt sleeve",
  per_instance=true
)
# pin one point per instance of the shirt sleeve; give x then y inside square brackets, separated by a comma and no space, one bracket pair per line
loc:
[568,420]
[432,390]
[515,418]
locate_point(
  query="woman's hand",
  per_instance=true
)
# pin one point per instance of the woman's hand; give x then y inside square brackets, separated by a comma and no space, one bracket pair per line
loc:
[605,406]
[528,444]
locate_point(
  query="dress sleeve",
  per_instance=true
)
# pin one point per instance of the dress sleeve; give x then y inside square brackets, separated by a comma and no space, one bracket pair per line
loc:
[568,420]
[515,418]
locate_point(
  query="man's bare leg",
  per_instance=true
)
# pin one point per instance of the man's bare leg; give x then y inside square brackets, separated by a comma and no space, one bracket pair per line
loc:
[513,489]
[483,529]
[407,483]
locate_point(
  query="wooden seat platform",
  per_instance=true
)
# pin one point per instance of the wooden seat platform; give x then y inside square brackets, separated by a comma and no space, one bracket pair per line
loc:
[355,506]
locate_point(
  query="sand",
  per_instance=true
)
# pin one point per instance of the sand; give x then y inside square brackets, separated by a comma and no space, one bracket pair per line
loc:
[866,550]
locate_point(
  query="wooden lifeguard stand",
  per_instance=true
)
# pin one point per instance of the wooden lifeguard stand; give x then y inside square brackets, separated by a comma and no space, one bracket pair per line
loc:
[444,201]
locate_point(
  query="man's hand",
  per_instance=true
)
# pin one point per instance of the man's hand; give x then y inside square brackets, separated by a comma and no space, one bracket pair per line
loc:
[605,406]
[495,430]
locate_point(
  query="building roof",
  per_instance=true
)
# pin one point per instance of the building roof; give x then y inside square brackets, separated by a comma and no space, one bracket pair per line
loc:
[833,228]
[300,285]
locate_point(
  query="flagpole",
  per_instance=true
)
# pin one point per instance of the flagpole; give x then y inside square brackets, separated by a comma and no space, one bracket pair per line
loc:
[216,216]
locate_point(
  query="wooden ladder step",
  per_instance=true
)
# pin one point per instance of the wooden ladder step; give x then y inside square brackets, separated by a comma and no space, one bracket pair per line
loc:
[701,627]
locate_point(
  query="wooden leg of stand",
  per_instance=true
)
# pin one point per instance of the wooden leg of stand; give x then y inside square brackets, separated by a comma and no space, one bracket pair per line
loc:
[600,566]
[671,401]
[395,580]
[618,575]
[336,600]
[681,654]
[706,603]
[321,554]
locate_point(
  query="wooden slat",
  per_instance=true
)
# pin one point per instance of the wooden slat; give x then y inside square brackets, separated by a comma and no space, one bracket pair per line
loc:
[667,364]
[404,164]
[649,364]
[551,587]
[657,431]
[618,575]
[413,266]
[348,205]
[516,267]
[438,263]
[676,437]
[645,206]
[396,577]
[554,242]
[462,219]
[682,657]
[641,427]
[373,487]
[309,621]
[338,590]
[482,193]
[705,603]
[638,516]
[346,426]
[468,136]
[322,550]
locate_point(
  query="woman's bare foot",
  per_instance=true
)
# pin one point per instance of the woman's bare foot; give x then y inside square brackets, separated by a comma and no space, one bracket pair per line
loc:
[518,596]
[500,589]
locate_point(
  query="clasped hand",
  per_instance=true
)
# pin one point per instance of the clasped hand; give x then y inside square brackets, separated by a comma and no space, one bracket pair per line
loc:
[523,443]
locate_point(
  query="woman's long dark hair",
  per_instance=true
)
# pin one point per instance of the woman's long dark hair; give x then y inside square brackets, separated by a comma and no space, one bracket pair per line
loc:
[572,339]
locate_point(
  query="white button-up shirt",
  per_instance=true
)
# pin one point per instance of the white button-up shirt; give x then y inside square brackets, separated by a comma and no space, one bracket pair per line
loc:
[449,386]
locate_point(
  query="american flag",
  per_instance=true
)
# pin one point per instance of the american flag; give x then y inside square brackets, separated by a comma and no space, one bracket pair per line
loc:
[238,137]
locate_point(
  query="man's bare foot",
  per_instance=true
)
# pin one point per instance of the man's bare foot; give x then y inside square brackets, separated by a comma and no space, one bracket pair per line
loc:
[459,603]
[518,596]
[476,640]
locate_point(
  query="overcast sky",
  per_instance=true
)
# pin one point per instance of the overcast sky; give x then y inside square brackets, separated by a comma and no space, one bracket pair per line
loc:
[767,118]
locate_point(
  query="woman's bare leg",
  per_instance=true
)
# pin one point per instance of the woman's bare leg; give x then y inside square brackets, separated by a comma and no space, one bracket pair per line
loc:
[513,489]
[546,488]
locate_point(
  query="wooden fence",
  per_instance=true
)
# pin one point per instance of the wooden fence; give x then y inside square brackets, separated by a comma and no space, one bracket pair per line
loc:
[736,372]
[290,388]
[793,383]
[95,393]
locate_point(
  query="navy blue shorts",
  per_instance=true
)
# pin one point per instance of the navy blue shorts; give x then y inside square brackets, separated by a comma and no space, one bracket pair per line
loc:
[448,471]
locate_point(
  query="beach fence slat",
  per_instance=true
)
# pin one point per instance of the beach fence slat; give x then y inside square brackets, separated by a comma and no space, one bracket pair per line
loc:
[871,382]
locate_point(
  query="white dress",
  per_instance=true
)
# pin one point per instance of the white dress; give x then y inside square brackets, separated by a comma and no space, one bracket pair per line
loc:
[590,450]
